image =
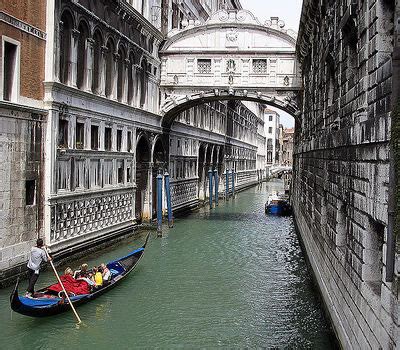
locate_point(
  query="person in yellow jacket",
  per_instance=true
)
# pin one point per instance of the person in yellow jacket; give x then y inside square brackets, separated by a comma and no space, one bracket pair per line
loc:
[98,276]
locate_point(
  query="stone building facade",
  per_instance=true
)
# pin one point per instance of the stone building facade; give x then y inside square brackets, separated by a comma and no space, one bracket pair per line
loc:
[22,125]
[217,136]
[286,146]
[272,134]
[341,165]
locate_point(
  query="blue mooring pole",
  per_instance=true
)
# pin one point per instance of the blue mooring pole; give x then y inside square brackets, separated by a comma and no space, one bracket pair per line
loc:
[216,186]
[168,195]
[233,183]
[226,184]
[159,202]
[210,185]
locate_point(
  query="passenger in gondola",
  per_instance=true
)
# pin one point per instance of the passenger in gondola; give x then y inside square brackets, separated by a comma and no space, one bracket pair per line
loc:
[106,272]
[83,272]
[98,276]
[84,275]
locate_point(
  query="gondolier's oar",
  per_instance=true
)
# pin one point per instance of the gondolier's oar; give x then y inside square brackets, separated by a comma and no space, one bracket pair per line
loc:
[62,286]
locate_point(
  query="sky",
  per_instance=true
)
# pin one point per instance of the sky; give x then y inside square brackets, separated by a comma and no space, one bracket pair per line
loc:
[287,10]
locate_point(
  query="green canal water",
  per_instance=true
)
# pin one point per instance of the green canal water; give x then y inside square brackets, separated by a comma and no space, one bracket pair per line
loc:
[231,278]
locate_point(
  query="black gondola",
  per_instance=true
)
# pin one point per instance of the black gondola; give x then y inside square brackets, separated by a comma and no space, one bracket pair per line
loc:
[49,305]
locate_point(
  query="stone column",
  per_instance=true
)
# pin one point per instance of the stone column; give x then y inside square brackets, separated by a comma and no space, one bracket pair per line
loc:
[148,201]
[74,58]
[89,65]
[102,71]
[132,71]
[114,83]
[138,86]
[58,50]
[125,81]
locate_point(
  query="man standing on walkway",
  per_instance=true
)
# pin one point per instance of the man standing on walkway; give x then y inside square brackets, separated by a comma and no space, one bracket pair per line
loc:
[37,256]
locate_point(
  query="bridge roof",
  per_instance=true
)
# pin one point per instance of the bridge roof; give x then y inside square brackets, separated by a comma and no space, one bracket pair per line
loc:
[232,31]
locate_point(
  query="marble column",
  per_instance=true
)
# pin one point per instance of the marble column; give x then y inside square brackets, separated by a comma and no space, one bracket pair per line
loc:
[72,69]
[89,65]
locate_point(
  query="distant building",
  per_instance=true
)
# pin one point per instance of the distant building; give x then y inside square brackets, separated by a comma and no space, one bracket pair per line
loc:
[287,146]
[272,136]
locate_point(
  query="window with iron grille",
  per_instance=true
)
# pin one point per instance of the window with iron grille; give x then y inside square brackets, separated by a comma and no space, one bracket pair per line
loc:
[204,66]
[260,66]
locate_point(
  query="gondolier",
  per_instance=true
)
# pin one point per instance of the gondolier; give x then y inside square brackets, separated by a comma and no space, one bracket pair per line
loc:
[38,255]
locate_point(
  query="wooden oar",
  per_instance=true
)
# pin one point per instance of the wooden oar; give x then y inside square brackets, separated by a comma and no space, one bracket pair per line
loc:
[62,286]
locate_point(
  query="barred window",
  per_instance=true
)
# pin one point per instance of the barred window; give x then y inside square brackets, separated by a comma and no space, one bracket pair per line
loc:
[260,66]
[204,66]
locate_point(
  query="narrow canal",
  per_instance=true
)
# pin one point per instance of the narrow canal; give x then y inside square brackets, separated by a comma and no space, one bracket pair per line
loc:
[232,277]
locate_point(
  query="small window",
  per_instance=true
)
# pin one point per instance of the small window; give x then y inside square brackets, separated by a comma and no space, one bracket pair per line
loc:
[108,139]
[80,136]
[270,130]
[94,137]
[179,144]
[30,186]
[270,118]
[260,66]
[119,140]
[204,66]
[10,71]
[129,141]
[63,133]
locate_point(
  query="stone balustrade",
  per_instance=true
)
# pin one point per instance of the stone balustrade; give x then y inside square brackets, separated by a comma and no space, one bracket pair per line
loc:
[184,192]
[73,217]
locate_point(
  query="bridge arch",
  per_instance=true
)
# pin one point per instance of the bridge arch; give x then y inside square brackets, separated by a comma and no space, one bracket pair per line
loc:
[175,105]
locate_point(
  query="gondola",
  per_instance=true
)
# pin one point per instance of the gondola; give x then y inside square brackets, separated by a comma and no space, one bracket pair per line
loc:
[278,205]
[47,304]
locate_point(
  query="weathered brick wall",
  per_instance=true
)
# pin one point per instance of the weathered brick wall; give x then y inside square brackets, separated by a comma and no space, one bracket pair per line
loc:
[21,152]
[32,51]
[32,48]
[341,170]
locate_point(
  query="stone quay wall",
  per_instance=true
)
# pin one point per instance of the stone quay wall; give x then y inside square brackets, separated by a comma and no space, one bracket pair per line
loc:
[341,165]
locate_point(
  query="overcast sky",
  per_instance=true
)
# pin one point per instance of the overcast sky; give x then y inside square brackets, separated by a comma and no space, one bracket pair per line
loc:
[287,10]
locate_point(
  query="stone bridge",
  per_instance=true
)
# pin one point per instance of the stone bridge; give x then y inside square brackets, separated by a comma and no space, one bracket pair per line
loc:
[230,57]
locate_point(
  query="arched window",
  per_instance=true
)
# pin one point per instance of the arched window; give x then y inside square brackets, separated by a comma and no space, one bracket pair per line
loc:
[109,68]
[121,75]
[97,44]
[82,55]
[66,26]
